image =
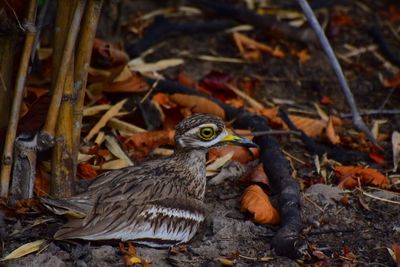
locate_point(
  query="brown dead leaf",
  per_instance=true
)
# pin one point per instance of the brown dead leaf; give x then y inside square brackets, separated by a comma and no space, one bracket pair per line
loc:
[109,53]
[349,175]
[312,127]
[257,176]
[198,104]
[86,171]
[241,154]
[396,149]
[163,100]
[144,143]
[330,132]
[25,249]
[235,102]
[303,56]
[186,80]
[127,82]
[393,82]
[396,252]
[326,100]
[257,203]
[106,117]
[251,49]
[272,114]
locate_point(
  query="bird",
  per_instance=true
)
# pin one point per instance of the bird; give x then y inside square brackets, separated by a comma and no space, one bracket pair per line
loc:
[159,203]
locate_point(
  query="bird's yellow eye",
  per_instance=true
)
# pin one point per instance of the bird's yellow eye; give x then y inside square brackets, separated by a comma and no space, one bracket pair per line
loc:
[207,133]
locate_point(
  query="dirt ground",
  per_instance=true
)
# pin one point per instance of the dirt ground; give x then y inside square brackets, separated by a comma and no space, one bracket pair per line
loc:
[363,225]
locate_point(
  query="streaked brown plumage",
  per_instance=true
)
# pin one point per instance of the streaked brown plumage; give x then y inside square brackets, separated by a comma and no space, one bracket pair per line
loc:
[159,203]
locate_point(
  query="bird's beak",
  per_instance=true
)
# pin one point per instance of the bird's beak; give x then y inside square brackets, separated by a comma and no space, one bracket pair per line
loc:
[237,140]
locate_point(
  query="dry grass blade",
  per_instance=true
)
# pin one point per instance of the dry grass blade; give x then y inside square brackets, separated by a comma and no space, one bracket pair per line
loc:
[25,250]
[106,117]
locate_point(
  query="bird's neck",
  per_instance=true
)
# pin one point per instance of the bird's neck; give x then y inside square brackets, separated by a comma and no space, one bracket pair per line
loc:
[195,165]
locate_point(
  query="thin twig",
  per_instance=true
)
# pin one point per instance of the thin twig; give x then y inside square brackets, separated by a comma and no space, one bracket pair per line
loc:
[357,120]
[378,198]
[16,105]
[373,112]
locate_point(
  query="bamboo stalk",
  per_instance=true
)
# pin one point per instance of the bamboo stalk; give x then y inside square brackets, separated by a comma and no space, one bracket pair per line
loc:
[46,137]
[83,55]
[16,105]
[61,175]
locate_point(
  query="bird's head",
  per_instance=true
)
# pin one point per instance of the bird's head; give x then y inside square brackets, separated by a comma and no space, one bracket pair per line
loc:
[203,131]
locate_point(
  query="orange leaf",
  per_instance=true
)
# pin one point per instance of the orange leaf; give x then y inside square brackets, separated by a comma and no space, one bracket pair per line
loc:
[144,143]
[378,158]
[241,154]
[396,250]
[272,114]
[256,202]
[250,49]
[349,175]
[312,127]
[127,82]
[326,100]
[330,132]
[393,82]
[198,104]
[185,80]
[303,56]
[85,170]
[257,176]
[163,100]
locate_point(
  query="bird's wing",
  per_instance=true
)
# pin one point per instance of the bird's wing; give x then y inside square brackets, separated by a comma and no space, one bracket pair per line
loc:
[138,184]
[157,223]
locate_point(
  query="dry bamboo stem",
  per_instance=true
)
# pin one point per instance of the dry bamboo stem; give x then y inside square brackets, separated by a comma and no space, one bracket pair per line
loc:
[46,137]
[61,167]
[19,88]
[83,55]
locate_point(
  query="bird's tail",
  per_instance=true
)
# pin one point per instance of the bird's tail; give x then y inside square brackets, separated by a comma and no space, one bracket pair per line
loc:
[63,207]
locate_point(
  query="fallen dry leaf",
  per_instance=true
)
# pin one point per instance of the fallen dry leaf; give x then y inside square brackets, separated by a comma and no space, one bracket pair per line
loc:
[326,100]
[127,82]
[311,127]
[257,176]
[396,149]
[396,253]
[393,82]
[256,202]
[241,154]
[303,56]
[156,66]
[86,171]
[198,104]
[143,143]
[331,133]
[106,117]
[163,100]
[349,175]
[378,158]
[250,49]
[109,53]
[25,250]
